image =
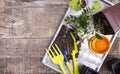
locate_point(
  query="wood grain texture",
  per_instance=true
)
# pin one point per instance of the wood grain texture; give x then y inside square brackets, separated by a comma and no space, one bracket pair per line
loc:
[26,29]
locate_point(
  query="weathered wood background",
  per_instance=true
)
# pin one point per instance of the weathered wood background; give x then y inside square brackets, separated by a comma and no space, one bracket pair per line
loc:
[26,29]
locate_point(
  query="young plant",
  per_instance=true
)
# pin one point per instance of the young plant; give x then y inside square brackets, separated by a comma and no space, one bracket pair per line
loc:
[82,24]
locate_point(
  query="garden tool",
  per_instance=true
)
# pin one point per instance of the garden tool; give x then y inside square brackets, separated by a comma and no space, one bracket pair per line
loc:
[64,52]
[56,56]
[74,51]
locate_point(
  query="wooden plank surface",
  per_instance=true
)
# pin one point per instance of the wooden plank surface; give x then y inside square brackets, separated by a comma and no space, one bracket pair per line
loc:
[26,29]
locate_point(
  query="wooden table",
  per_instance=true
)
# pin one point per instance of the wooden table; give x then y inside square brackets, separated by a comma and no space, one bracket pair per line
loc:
[26,29]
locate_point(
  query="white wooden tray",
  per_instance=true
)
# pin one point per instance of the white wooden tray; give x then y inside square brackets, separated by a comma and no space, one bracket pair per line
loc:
[86,57]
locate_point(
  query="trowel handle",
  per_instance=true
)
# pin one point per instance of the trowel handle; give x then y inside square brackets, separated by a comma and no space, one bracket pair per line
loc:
[75,66]
[69,67]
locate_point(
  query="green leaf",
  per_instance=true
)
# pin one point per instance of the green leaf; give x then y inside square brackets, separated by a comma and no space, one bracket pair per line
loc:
[74,4]
[96,6]
[98,36]
[67,20]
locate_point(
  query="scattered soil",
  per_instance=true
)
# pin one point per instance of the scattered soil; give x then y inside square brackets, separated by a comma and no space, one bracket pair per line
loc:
[64,39]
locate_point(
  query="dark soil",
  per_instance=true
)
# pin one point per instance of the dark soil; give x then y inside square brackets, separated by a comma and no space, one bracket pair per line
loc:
[64,39]
[100,19]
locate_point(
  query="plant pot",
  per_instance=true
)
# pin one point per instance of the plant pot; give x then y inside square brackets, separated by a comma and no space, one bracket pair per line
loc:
[114,65]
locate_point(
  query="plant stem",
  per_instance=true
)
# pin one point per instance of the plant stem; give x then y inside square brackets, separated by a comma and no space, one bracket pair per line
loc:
[80,2]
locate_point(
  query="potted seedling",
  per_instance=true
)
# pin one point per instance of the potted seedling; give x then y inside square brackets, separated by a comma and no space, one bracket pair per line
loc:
[83,24]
